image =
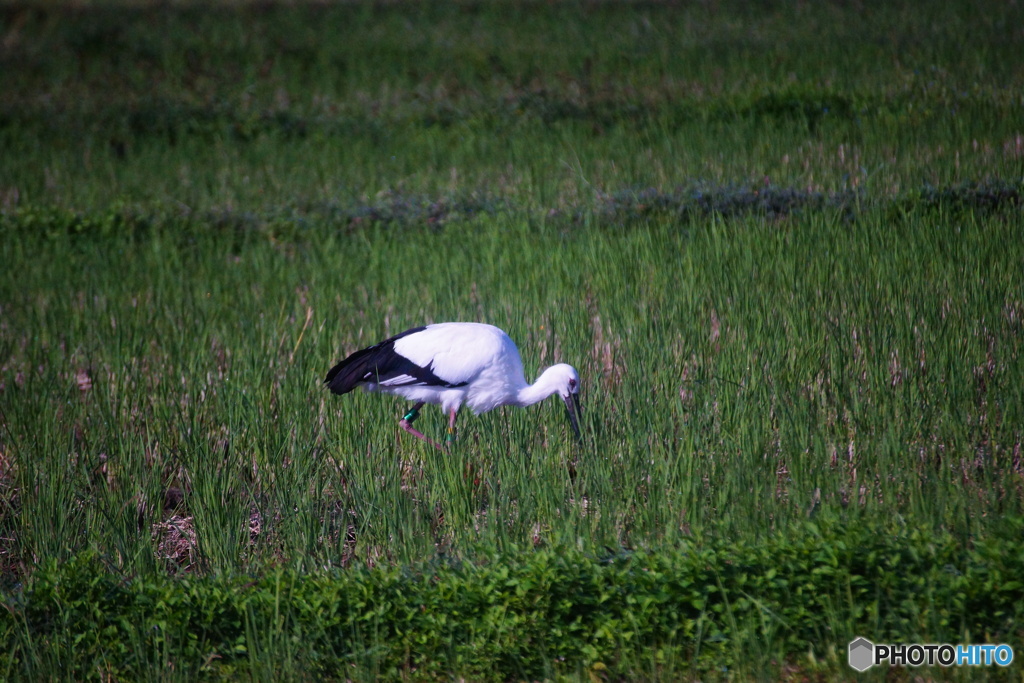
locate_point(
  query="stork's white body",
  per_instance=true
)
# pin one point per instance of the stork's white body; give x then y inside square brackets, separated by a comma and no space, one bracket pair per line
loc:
[481,358]
[452,364]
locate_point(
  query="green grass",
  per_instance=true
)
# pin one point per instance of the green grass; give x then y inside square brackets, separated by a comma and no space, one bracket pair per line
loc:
[198,108]
[780,243]
[729,609]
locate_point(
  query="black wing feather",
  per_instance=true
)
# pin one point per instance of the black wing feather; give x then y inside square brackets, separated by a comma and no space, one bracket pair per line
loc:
[380,363]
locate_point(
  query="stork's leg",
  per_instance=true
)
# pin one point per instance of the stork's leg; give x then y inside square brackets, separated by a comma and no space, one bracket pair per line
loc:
[451,424]
[406,424]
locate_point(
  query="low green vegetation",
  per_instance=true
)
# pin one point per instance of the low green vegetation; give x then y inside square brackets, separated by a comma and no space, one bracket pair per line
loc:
[736,608]
[781,243]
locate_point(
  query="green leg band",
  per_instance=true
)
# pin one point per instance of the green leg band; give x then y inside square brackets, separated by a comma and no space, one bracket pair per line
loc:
[411,415]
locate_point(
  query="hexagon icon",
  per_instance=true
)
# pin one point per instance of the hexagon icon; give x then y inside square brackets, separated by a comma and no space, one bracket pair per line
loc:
[861,655]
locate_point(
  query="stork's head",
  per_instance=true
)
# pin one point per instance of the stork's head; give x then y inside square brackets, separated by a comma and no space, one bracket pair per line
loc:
[568,382]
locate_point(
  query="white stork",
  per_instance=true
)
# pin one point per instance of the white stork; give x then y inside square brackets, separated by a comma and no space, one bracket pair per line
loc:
[453,364]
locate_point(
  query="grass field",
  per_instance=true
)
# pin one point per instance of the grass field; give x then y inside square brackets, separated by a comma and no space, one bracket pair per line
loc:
[782,243]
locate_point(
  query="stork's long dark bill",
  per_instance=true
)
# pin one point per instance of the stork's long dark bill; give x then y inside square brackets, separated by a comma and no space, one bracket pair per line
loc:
[573,410]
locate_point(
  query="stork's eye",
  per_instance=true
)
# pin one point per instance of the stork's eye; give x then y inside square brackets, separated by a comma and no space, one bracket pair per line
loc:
[572,384]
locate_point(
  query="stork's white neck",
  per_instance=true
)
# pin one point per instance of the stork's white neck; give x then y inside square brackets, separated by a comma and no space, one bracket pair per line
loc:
[546,385]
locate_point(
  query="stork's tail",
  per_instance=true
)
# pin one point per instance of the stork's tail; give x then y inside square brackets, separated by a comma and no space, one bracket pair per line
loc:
[346,375]
[365,365]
